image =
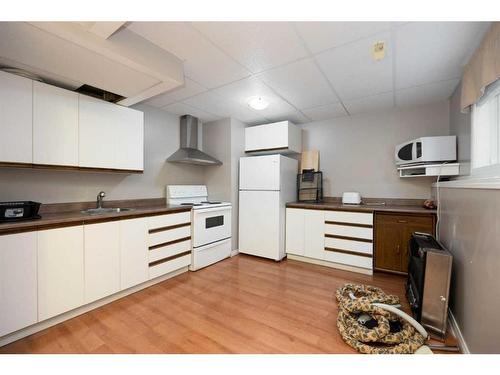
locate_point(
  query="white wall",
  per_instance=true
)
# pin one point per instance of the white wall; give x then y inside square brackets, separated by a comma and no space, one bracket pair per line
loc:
[217,143]
[357,152]
[237,151]
[161,136]
[225,140]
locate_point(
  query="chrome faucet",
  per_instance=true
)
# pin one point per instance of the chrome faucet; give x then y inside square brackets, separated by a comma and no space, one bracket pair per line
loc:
[100,197]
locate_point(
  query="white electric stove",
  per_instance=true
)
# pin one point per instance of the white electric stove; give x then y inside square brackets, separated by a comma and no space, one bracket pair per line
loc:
[210,223]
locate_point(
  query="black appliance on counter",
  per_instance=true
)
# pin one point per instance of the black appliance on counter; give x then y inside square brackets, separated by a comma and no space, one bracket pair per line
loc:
[428,284]
[21,210]
[310,186]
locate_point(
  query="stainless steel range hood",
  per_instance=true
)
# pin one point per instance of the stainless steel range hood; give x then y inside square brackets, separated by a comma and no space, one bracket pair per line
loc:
[189,152]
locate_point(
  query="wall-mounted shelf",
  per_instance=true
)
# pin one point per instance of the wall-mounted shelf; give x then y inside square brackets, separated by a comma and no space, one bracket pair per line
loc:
[423,170]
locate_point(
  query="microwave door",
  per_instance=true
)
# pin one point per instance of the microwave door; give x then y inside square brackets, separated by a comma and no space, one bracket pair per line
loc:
[406,153]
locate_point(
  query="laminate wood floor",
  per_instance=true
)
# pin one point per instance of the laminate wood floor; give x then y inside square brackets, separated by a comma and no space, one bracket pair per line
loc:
[240,305]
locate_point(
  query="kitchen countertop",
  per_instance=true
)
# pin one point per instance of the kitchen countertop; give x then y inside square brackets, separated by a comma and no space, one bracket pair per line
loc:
[70,218]
[415,209]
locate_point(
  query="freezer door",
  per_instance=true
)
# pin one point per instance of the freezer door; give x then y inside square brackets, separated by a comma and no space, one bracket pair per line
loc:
[260,172]
[259,224]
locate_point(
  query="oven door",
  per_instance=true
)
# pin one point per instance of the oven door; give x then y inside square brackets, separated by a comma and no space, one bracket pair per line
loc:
[211,225]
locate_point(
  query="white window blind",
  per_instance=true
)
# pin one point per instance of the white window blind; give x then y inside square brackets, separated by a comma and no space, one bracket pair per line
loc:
[486,133]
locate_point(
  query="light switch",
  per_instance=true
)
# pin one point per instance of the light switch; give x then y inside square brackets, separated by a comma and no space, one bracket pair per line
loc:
[378,50]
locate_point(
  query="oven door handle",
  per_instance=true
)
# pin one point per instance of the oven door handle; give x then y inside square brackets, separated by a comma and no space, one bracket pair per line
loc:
[215,209]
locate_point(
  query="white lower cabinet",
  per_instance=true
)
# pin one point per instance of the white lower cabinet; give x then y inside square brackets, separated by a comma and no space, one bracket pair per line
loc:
[50,272]
[294,237]
[133,252]
[18,282]
[314,237]
[102,260]
[60,271]
[341,237]
[305,232]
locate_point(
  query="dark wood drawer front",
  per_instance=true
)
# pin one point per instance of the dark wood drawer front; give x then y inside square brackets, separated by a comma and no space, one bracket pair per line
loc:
[405,219]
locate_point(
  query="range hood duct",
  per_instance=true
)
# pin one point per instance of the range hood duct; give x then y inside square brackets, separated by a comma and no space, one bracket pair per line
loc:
[189,152]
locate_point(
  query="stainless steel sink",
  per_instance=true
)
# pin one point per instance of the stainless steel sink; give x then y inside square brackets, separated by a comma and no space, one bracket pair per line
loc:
[100,211]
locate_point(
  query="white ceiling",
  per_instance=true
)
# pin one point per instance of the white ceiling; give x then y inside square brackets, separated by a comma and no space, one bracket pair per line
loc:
[310,71]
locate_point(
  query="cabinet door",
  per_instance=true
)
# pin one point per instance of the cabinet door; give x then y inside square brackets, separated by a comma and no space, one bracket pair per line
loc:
[389,238]
[55,125]
[314,234]
[129,139]
[110,136]
[18,283]
[266,137]
[133,252]
[294,232]
[16,119]
[60,271]
[102,260]
[96,133]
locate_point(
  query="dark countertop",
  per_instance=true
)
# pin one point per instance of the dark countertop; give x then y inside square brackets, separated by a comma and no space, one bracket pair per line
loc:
[338,206]
[70,218]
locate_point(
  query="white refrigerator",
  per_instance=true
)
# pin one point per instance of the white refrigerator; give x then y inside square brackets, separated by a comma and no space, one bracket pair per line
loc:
[267,183]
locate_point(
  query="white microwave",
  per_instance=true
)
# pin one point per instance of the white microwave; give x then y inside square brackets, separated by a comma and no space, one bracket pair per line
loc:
[427,150]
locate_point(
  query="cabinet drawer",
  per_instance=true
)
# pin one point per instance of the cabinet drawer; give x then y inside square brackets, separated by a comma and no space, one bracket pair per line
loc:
[349,231]
[405,219]
[348,259]
[349,217]
[160,269]
[348,245]
[159,238]
[156,222]
[169,250]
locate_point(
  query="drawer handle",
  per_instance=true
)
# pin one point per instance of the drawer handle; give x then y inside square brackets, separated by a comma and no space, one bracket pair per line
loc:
[397,249]
[402,221]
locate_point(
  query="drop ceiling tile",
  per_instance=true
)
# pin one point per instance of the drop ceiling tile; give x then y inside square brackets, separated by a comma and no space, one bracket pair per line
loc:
[203,62]
[190,88]
[426,94]
[256,45]
[325,112]
[352,70]
[185,109]
[220,106]
[241,91]
[370,103]
[301,83]
[294,116]
[434,51]
[320,36]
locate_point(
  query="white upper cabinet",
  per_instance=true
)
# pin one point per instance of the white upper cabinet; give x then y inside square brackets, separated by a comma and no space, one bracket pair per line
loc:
[102,260]
[55,125]
[18,282]
[97,147]
[279,137]
[16,116]
[111,136]
[129,139]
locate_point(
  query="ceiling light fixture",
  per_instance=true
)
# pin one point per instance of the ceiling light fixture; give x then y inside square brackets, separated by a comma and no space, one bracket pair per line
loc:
[258,103]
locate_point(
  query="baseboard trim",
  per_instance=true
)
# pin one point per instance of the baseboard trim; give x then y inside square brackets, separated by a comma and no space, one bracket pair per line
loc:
[14,336]
[234,252]
[339,266]
[458,333]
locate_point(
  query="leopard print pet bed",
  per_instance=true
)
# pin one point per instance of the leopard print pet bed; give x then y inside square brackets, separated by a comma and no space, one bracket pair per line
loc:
[380,339]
